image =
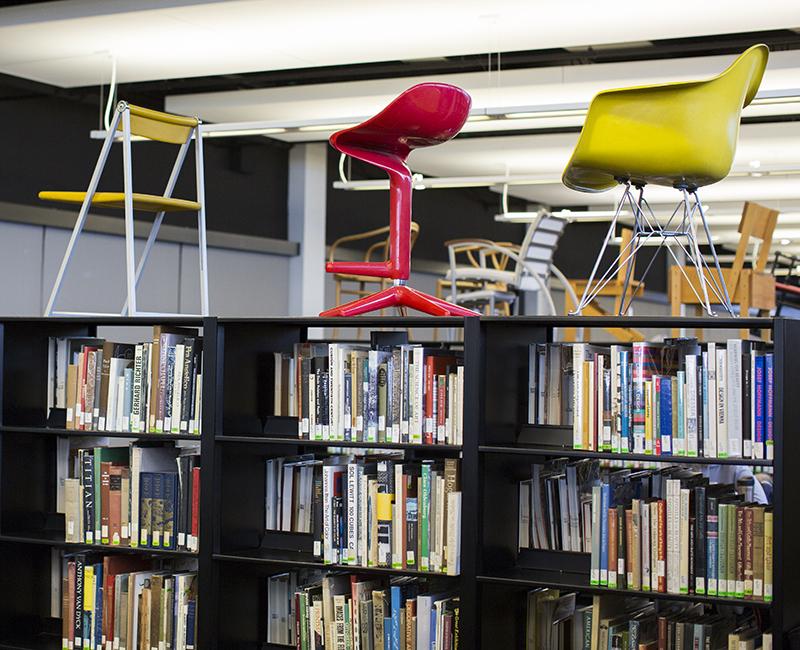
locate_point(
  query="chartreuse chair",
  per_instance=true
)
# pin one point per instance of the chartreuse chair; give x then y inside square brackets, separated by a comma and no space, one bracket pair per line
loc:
[681,135]
[152,125]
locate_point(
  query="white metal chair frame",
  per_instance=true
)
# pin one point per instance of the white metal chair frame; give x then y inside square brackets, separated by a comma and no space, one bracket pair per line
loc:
[122,114]
[523,266]
[646,227]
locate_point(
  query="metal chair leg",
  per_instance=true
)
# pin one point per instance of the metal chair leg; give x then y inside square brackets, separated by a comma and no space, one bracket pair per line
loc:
[130,254]
[84,213]
[201,221]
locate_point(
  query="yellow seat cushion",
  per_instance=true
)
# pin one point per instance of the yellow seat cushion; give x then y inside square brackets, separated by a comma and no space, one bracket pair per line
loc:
[146,202]
[678,134]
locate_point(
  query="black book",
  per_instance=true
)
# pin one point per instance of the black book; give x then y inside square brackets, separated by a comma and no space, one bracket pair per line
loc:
[80,563]
[187,405]
[87,464]
[701,423]
[184,479]
[317,511]
[622,545]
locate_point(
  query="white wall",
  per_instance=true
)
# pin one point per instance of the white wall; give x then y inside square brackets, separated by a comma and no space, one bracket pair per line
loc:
[240,283]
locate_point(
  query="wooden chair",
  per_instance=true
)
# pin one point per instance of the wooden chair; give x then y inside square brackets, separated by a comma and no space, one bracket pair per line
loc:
[749,284]
[616,288]
[365,285]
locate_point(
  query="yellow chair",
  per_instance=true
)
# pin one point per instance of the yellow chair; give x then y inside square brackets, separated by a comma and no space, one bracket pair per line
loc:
[681,135]
[153,125]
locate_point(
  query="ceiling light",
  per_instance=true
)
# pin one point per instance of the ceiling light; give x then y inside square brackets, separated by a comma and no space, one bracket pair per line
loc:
[785,242]
[567,112]
[481,117]
[326,127]
[756,174]
[582,215]
[516,217]
[242,132]
[755,164]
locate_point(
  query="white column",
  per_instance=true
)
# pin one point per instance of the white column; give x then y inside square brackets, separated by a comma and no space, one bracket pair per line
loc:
[306,209]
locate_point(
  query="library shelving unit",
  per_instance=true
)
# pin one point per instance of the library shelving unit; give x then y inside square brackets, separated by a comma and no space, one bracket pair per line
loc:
[507,447]
[240,431]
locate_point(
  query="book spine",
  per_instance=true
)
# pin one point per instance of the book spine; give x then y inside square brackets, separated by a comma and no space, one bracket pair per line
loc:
[605,494]
[768,553]
[748,552]
[700,538]
[769,405]
[88,496]
[169,512]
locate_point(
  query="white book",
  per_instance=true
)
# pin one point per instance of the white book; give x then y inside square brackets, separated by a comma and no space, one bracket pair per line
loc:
[136,400]
[329,554]
[656,567]
[690,405]
[454,534]
[271,495]
[419,386]
[532,384]
[460,406]
[120,408]
[288,497]
[398,519]
[352,513]
[710,419]
[333,400]
[734,388]
[108,423]
[177,385]
[566,538]
[615,399]
[277,395]
[684,540]
[577,396]
[722,404]
[573,504]
[594,576]
[524,516]
[673,536]
[644,531]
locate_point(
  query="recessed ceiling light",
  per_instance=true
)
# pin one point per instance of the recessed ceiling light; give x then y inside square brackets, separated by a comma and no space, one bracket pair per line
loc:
[326,127]
[785,242]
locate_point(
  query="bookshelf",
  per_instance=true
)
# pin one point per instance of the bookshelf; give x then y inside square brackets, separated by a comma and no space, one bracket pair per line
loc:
[239,432]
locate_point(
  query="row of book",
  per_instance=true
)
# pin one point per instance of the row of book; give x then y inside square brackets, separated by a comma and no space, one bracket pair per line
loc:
[672,531]
[339,611]
[677,398]
[555,506]
[143,494]
[149,387]
[396,394]
[120,602]
[559,621]
[372,511]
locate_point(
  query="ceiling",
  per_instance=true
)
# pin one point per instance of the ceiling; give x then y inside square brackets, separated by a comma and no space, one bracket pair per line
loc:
[71,43]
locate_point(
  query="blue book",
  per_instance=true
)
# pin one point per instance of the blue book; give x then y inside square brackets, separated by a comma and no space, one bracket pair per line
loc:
[624,417]
[433,627]
[605,495]
[98,605]
[758,419]
[387,632]
[169,513]
[769,405]
[191,612]
[146,508]
[665,412]
[396,604]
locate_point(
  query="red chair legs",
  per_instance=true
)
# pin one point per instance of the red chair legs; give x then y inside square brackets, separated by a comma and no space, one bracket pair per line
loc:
[399,296]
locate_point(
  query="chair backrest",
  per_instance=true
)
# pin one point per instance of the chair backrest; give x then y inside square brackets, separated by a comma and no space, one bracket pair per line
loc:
[160,126]
[757,223]
[424,115]
[537,249]
[745,73]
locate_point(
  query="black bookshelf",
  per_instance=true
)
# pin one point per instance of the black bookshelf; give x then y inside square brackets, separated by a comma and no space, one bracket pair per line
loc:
[239,433]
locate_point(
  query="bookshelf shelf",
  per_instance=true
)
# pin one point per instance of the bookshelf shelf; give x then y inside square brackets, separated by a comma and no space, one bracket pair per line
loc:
[38,642]
[555,452]
[497,451]
[50,431]
[273,440]
[578,582]
[72,547]
[306,560]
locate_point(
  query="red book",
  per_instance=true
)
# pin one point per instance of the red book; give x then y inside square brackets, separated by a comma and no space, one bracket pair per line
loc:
[113,565]
[434,365]
[613,559]
[662,546]
[630,553]
[195,506]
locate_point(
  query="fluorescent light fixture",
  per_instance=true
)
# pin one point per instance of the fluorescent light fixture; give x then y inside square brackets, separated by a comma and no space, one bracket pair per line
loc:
[586,215]
[480,117]
[567,112]
[242,132]
[785,242]
[449,182]
[516,217]
[325,127]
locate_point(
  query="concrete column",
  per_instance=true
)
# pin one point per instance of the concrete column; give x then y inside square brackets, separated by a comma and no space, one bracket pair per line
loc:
[306,209]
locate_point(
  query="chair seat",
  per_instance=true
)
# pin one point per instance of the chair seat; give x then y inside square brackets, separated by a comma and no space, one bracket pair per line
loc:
[483,274]
[144,202]
[484,295]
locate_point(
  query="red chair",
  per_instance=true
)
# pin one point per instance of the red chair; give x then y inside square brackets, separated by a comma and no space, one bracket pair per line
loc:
[424,115]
